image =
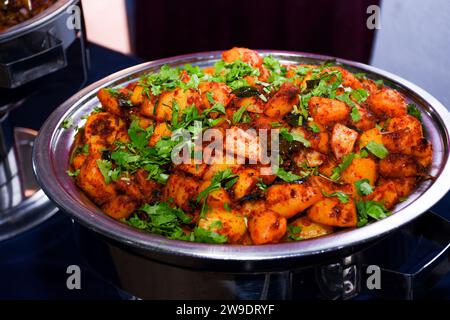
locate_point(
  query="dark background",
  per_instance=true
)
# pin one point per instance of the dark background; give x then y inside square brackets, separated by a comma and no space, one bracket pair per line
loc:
[332,27]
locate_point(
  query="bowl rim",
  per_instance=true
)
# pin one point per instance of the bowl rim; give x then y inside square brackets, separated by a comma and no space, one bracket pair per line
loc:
[156,244]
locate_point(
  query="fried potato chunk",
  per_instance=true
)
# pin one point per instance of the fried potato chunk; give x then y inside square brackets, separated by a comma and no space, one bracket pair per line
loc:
[266,227]
[181,190]
[387,103]
[332,212]
[102,129]
[397,165]
[328,111]
[283,101]
[91,181]
[361,168]
[290,199]
[227,223]
[342,140]
[246,55]
[308,229]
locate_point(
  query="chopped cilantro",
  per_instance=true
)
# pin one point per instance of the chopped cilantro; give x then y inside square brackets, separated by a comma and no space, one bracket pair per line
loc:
[414,111]
[287,176]
[73,173]
[363,187]
[67,123]
[343,197]
[377,149]
[346,161]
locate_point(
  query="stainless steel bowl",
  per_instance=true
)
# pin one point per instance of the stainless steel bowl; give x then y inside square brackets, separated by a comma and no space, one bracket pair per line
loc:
[51,157]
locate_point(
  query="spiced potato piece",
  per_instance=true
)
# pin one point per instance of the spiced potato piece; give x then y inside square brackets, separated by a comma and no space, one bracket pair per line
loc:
[387,103]
[397,165]
[328,111]
[120,207]
[227,223]
[219,92]
[92,182]
[283,101]
[248,56]
[161,130]
[183,98]
[367,120]
[247,179]
[342,140]
[332,212]
[102,129]
[372,135]
[403,186]
[385,193]
[266,227]
[309,229]
[361,168]
[290,199]
[402,133]
[181,190]
[109,102]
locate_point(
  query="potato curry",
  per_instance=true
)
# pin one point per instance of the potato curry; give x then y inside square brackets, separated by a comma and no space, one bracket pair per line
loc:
[350,149]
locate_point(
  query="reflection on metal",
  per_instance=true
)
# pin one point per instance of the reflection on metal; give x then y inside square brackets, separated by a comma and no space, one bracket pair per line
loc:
[22,204]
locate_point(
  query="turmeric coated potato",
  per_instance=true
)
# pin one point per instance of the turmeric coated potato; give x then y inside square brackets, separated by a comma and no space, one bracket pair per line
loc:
[361,168]
[120,207]
[181,190]
[102,129]
[283,101]
[307,229]
[91,181]
[387,103]
[266,227]
[290,199]
[328,111]
[246,55]
[397,165]
[227,223]
[342,140]
[332,212]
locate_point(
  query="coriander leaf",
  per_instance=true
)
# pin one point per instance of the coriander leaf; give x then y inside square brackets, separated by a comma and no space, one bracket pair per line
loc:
[376,210]
[294,136]
[67,123]
[343,197]
[221,179]
[314,128]
[207,236]
[379,83]
[287,176]
[370,209]
[377,149]
[261,185]
[363,187]
[360,95]
[293,232]
[355,115]
[346,161]
[237,116]
[226,206]
[275,124]
[105,167]
[73,173]
[414,111]
[139,136]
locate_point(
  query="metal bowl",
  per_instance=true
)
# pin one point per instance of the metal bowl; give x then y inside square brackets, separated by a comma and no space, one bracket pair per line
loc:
[51,159]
